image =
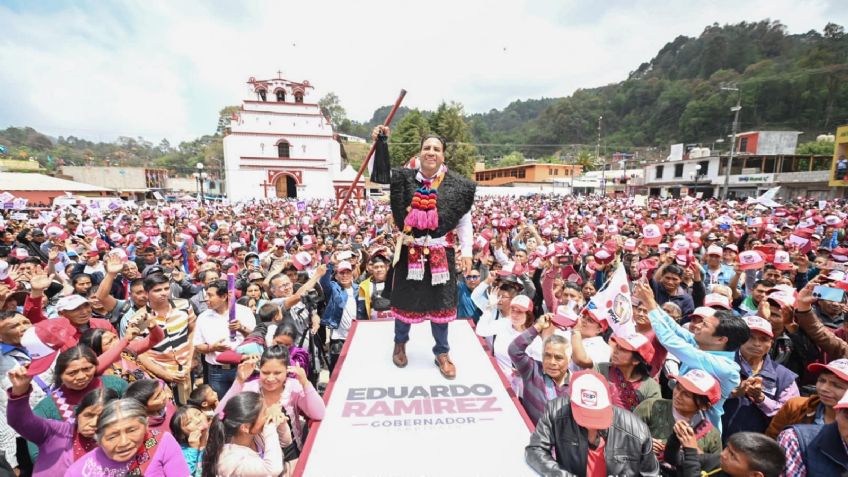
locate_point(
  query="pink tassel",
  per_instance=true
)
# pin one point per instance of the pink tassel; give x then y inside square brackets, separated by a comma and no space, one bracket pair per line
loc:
[432,219]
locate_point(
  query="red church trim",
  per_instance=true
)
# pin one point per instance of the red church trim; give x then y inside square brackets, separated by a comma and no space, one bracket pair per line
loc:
[268,168]
[306,115]
[287,159]
[241,133]
[274,174]
[274,102]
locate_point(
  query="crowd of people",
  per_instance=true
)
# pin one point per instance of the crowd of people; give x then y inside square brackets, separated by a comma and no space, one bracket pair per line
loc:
[179,339]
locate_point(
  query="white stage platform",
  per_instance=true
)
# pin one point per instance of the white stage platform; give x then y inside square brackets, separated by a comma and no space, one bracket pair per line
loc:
[390,422]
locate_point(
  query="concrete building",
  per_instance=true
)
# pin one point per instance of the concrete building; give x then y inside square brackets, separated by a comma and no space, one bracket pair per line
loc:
[750,175]
[279,145]
[767,143]
[137,183]
[526,175]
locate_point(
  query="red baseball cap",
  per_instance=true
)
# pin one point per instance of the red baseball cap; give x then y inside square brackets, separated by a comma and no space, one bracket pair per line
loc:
[44,341]
[636,343]
[590,401]
[564,317]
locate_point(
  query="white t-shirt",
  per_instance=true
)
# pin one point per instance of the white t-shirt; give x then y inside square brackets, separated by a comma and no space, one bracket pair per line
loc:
[597,349]
[348,315]
[212,327]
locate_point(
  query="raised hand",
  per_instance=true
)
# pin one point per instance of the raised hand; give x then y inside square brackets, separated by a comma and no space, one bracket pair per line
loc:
[805,298]
[245,369]
[543,323]
[40,281]
[20,380]
[642,291]
[114,265]
[132,331]
[299,373]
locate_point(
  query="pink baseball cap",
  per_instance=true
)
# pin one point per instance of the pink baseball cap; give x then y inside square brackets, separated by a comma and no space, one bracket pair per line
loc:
[715,250]
[839,367]
[756,323]
[344,265]
[590,401]
[843,403]
[523,302]
[697,381]
[751,260]
[704,312]
[636,343]
[564,317]
[44,341]
[782,260]
[717,299]
[301,260]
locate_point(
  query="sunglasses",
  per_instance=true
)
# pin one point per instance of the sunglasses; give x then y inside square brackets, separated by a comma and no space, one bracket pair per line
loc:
[472,277]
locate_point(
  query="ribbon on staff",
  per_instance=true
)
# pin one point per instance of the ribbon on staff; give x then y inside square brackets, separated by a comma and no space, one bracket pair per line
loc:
[231,290]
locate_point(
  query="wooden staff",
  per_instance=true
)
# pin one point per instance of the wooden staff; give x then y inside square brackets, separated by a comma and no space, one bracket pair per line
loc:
[368,157]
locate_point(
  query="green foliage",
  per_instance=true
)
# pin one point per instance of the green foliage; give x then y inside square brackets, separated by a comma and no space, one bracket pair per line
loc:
[514,158]
[797,82]
[587,160]
[332,108]
[815,148]
[405,139]
[449,122]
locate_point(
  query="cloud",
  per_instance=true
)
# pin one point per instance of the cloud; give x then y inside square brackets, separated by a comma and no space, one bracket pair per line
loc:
[164,69]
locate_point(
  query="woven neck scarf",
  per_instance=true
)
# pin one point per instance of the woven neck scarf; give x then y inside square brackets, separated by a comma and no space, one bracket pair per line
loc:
[422,214]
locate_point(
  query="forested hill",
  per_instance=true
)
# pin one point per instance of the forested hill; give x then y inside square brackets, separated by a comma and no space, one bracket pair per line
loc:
[786,82]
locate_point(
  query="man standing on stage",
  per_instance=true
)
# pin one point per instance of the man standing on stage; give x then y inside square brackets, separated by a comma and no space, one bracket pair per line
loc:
[432,206]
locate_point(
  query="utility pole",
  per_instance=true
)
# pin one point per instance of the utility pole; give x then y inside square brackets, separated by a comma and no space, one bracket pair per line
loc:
[604,164]
[735,130]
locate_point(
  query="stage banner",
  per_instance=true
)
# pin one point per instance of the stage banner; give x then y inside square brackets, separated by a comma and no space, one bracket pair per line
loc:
[386,421]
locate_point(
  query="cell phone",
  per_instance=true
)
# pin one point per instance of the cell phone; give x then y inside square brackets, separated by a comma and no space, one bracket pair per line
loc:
[828,293]
[255,262]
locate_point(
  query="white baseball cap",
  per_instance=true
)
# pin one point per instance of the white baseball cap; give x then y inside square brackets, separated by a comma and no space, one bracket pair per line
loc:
[590,401]
[756,323]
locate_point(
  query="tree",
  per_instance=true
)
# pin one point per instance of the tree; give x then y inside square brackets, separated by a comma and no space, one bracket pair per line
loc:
[225,115]
[514,158]
[815,148]
[448,121]
[405,140]
[587,160]
[332,108]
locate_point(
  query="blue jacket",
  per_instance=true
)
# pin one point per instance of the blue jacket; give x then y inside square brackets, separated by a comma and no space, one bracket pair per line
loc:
[336,299]
[681,343]
[822,449]
[742,415]
[465,307]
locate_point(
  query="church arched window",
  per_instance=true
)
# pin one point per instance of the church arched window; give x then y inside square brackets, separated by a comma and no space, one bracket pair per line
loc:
[283,148]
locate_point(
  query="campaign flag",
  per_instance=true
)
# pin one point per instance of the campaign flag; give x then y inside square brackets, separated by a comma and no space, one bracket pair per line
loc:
[614,304]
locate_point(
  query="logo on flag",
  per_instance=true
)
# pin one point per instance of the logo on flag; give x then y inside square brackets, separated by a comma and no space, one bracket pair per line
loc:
[614,304]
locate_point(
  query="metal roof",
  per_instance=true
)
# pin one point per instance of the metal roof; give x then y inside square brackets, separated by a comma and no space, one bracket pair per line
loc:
[39,182]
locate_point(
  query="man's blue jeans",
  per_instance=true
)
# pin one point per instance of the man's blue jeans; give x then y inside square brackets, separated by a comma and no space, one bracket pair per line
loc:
[221,379]
[440,335]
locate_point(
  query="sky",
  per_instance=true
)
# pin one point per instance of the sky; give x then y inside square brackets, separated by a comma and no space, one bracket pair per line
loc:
[163,69]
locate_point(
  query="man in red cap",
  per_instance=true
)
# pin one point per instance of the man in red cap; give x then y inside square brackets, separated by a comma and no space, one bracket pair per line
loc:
[587,435]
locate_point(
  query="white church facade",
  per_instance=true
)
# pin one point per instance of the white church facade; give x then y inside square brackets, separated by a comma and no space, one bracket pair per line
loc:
[281,145]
